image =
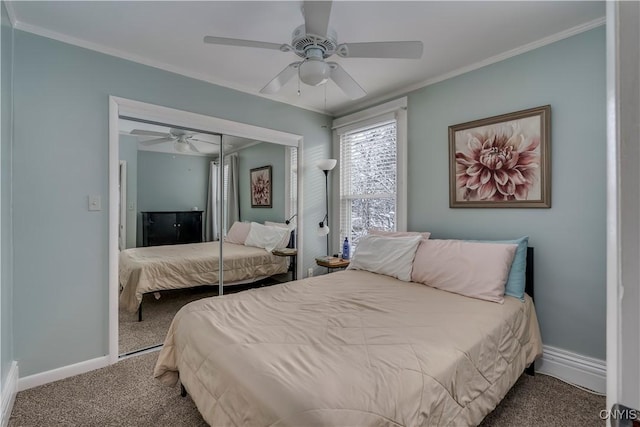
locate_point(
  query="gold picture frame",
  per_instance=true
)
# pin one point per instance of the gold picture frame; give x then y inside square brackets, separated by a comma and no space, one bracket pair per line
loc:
[502,161]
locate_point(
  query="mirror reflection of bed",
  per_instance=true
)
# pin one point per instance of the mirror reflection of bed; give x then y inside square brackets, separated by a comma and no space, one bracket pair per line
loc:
[170,222]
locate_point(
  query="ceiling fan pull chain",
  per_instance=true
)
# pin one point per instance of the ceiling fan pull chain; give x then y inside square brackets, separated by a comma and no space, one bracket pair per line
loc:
[325,96]
[298,84]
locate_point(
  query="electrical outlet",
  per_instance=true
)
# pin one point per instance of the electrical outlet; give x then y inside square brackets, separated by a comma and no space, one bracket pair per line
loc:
[310,272]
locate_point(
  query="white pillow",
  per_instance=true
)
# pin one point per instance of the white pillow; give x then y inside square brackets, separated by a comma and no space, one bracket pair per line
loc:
[473,269]
[269,238]
[276,224]
[391,256]
[287,237]
[238,233]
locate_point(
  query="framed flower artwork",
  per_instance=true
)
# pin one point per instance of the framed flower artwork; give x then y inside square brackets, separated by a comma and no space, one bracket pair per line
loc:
[260,179]
[502,161]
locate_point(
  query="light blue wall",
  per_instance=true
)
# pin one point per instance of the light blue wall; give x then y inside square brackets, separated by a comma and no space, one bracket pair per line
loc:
[6,225]
[256,156]
[61,156]
[129,153]
[569,238]
[171,182]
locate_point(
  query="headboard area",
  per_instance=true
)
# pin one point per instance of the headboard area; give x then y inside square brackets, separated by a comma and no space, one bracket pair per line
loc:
[528,287]
[292,239]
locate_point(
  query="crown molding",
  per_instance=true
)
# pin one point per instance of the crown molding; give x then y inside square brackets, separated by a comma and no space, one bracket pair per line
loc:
[11,12]
[462,70]
[43,32]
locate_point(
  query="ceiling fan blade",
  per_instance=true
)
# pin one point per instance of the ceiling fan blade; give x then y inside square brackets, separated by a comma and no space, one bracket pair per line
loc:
[406,49]
[144,132]
[281,79]
[192,146]
[245,43]
[316,17]
[345,82]
[156,141]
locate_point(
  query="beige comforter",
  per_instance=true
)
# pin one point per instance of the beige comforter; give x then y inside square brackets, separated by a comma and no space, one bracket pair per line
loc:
[157,268]
[351,348]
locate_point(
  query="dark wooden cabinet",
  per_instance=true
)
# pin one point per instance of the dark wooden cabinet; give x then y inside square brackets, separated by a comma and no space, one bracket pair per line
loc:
[171,228]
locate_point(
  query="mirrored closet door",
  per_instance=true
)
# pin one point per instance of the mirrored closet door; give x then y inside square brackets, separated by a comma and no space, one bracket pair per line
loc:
[260,207]
[189,200]
[163,205]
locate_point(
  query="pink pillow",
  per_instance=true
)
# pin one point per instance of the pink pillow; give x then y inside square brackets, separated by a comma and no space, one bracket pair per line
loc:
[374,232]
[238,232]
[477,270]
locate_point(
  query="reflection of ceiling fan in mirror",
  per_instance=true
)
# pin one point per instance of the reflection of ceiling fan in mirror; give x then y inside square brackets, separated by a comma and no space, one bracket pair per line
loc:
[315,41]
[182,139]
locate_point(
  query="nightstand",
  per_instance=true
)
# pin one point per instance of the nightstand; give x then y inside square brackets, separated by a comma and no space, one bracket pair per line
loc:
[289,252]
[332,263]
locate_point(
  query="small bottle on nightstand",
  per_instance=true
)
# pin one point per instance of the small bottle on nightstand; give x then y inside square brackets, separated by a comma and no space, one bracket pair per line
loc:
[346,248]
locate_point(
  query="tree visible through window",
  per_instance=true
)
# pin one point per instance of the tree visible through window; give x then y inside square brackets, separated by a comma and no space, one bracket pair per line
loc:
[368,181]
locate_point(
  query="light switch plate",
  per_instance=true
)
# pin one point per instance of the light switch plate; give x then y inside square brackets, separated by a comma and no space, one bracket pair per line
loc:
[95,203]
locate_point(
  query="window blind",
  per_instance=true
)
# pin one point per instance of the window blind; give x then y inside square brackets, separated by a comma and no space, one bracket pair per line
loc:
[368,180]
[225,194]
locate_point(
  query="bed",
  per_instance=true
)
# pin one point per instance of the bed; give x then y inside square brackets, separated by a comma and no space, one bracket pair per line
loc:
[349,348]
[158,268]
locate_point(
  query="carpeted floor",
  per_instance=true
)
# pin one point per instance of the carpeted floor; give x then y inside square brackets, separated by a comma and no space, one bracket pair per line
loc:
[157,313]
[125,394]
[156,317]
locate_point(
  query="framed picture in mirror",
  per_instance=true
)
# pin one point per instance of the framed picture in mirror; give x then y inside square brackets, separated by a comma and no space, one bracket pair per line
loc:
[261,187]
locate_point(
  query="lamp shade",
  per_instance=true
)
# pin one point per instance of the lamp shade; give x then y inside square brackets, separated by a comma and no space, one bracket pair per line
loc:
[322,230]
[327,164]
[314,72]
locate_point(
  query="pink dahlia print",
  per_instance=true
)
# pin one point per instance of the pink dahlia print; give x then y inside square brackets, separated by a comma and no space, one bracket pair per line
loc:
[261,188]
[499,162]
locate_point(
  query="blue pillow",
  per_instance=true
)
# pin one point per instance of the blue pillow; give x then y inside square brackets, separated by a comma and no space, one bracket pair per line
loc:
[517,275]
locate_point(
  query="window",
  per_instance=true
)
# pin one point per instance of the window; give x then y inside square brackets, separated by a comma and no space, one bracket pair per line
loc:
[225,192]
[372,158]
[368,181]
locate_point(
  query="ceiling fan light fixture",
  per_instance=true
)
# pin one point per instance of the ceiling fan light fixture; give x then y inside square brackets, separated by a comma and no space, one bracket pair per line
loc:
[181,147]
[314,71]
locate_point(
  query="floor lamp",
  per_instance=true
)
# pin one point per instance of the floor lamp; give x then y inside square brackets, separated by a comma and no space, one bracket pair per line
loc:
[323,227]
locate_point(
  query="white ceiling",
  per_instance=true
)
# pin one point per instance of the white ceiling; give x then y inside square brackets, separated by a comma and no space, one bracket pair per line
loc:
[457,36]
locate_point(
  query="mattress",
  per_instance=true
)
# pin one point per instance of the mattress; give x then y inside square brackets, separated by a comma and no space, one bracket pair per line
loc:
[348,348]
[157,268]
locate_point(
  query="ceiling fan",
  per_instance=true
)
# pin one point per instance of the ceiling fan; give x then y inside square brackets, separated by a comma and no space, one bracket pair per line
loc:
[315,41]
[182,139]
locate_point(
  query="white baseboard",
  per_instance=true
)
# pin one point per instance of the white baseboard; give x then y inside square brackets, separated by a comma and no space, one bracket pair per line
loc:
[574,368]
[62,373]
[9,391]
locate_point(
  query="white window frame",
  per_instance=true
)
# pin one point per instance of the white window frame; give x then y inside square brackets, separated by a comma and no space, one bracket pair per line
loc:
[290,197]
[393,109]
